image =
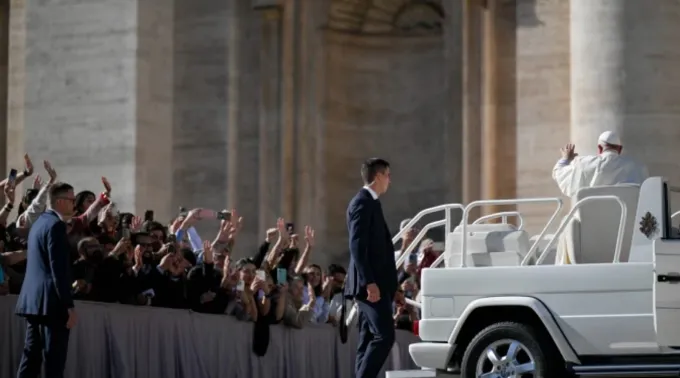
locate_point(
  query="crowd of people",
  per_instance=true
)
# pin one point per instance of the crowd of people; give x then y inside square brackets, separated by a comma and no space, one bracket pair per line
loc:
[120,257]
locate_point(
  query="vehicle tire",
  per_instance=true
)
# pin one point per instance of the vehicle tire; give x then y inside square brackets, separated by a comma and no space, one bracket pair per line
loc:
[514,347]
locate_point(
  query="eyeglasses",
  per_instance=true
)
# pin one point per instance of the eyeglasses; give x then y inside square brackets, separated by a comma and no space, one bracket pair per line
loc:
[70,199]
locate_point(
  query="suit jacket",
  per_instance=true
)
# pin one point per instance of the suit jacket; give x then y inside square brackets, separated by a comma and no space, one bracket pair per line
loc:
[46,290]
[370,247]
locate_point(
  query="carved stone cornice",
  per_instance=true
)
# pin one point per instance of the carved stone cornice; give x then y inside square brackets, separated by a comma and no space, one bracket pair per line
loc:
[265,4]
[391,17]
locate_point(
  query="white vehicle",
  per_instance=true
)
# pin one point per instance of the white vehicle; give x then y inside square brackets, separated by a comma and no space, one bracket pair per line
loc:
[502,308]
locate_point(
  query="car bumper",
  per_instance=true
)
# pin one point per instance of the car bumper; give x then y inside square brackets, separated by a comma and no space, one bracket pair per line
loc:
[431,355]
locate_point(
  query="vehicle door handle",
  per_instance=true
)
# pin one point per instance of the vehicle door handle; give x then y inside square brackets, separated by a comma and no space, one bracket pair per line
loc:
[671,277]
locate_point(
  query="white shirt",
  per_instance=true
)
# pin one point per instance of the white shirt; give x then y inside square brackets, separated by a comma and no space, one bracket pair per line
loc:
[373,193]
[59,215]
[607,168]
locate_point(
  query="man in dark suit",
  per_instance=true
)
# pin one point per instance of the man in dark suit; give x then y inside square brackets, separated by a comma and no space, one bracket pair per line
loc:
[45,300]
[372,276]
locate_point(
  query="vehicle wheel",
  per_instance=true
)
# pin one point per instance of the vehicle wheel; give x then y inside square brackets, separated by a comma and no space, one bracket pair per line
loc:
[510,350]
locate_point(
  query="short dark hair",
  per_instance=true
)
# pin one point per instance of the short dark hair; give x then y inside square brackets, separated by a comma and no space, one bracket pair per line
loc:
[58,190]
[336,269]
[371,167]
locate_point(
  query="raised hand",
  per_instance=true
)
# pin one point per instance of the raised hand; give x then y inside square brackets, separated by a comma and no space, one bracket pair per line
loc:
[224,231]
[411,234]
[281,226]
[28,170]
[271,234]
[237,222]
[309,236]
[37,182]
[50,171]
[568,152]
[136,224]
[107,186]
[9,193]
[207,247]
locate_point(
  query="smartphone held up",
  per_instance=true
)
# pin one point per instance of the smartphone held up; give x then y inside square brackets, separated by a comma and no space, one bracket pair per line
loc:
[12,178]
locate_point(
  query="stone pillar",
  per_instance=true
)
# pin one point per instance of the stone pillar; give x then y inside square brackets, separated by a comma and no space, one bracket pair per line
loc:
[289,107]
[543,104]
[309,163]
[472,123]
[201,128]
[154,113]
[4,62]
[92,92]
[499,124]
[270,121]
[625,57]
[454,47]
[243,99]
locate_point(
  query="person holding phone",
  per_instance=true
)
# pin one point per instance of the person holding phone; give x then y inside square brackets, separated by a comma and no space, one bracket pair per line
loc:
[372,275]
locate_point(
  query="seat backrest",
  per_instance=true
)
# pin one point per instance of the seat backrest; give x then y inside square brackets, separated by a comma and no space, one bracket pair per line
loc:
[599,223]
[542,243]
[487,245]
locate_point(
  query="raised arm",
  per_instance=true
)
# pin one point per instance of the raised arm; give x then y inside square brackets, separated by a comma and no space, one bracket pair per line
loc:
[28,171]
[359,221]
[272,256]
[9,204]
[104,199]
[39,203]
[304,258]
[57,250]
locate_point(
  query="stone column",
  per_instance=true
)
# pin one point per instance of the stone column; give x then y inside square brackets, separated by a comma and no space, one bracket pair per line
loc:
[543,104]
[243,97]
[289,107]
[454,49]
[4,61]
[472,125]
[92,93]
[270,121]
[201,128]
[625,61]
[499,124]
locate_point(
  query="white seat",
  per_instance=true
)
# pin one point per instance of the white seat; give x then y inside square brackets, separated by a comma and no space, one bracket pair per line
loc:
[492,244]
[552,252]
[592,234]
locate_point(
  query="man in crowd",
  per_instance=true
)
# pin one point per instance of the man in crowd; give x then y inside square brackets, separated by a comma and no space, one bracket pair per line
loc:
[45,299]
[608,167]
[372,276]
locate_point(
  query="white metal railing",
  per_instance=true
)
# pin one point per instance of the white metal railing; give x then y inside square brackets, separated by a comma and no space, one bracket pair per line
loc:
[412,302]
[405,252]
[504,218]
[675,214]
[447,218]
[438,261]
[524,201]
[446,222]
[572,213]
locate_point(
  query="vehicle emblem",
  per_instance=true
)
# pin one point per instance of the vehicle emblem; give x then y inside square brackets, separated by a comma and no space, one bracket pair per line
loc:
[649,225]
